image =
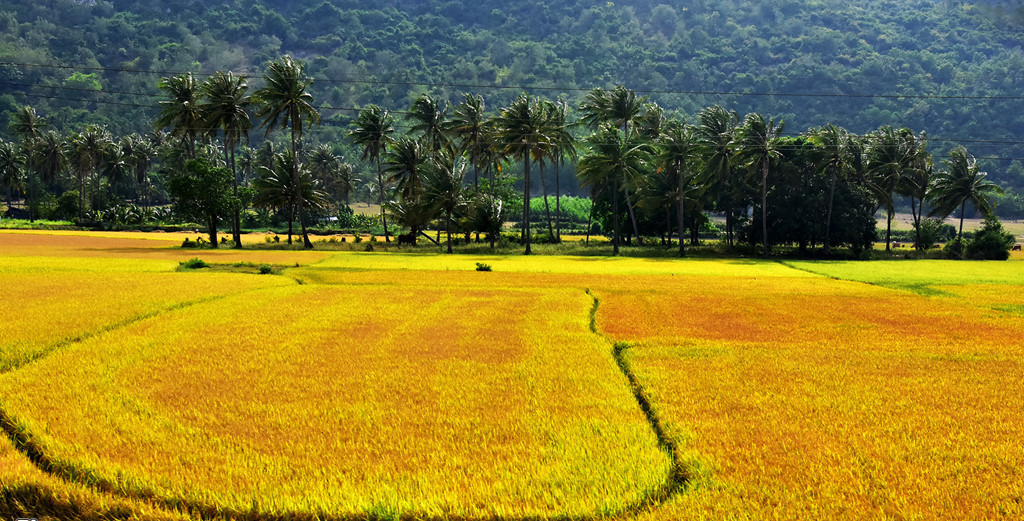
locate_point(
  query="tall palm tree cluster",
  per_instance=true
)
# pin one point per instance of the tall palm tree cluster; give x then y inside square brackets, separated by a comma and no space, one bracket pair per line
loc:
[449,166]
[653,174]
[199,112]
[90,162]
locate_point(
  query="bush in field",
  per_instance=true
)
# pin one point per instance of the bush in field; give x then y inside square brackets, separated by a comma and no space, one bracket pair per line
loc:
[991,242]
[483,267]
[193,264]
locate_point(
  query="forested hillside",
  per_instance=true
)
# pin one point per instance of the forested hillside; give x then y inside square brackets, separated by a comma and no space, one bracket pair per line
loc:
[953,70]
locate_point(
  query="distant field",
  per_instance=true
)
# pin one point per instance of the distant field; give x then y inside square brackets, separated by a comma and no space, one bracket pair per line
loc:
[393,385]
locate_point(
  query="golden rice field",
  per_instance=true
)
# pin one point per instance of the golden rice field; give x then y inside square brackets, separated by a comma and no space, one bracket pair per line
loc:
[410,386]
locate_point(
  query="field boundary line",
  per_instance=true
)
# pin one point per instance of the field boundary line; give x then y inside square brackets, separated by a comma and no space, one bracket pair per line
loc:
[680,476]
[924,290]
[53,347]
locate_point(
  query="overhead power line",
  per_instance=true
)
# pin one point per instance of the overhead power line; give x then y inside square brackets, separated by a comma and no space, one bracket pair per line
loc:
[492,86]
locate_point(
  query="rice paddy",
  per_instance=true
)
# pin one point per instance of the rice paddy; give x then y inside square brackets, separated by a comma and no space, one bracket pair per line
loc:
[410,386]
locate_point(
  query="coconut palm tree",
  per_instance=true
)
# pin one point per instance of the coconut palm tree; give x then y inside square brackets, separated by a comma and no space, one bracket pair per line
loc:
[139,155]
[443,177]
[521,131]
[619,107]
[887,155]
[833,143]
[677,154]
[487,213]
[275,189]
[405,165]
[758,144]
[372,130]
[12,170]
[428,120]
[613,160]
[467,126]
[716,135]
[915,177]
[563,146]
[181,113]
[285,101]
[89,146]
[224,109]
[961,183]
[28,125]
[51,156]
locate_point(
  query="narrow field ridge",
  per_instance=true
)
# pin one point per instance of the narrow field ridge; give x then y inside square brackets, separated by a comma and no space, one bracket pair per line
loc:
[28,496]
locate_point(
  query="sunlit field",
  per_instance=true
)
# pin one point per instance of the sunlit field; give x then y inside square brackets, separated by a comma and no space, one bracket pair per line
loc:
[412,386]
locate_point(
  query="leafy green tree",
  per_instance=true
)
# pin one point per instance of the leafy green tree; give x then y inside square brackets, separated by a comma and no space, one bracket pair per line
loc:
[960,183]
[224,109]
[202,192]
[757,143]
[521,131]
[372,130]
[991,242]
[612,160]
[285,101]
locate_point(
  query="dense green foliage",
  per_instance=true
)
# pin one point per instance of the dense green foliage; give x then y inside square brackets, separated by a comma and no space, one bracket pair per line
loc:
[824,60]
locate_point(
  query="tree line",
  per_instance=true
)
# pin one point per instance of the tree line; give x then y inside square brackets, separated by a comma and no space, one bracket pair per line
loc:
[649,172]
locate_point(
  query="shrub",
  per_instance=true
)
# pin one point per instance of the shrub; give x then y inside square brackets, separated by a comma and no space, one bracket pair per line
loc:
[933,231]
[193,264]
[483,267]
[265,269]
[991,242]
[187,243]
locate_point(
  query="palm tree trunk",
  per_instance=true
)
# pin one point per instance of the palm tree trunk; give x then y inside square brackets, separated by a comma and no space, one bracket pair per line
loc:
[764,207]
[81,195]
[828,215]
[296,179]
[615,218]
[682,216]
[917,222]
[590,218]
[547,207]
[291,217]
[558,207]
[888,228]
[526,201]
[380,200]
[632,217]
[960,234]
[236,232]
[213,231]
[448,228]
